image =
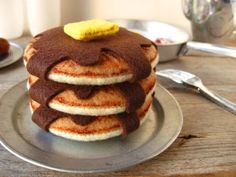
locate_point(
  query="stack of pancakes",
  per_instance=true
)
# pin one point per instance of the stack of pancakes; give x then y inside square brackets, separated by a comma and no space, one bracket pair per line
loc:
[88,102]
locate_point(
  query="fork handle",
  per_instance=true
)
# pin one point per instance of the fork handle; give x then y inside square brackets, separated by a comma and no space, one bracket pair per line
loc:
[228,105]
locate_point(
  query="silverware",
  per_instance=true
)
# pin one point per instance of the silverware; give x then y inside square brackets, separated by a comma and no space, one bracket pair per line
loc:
[185,78]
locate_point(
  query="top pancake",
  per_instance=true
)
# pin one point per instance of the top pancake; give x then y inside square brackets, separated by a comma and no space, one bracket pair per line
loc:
[110,69]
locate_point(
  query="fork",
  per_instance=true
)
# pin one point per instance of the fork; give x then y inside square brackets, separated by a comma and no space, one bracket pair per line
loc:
[186,78]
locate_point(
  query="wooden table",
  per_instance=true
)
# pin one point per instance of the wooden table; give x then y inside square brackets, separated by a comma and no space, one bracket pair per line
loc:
[206,146]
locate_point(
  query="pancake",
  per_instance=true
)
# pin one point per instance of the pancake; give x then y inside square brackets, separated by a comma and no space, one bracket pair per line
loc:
[111,68]
[102,128]
[105,101]
[90,90]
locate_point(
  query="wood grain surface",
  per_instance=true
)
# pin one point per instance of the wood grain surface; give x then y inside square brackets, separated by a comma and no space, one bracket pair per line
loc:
[206,146]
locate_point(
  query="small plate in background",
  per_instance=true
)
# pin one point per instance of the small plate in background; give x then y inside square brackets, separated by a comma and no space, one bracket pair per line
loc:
[15,53]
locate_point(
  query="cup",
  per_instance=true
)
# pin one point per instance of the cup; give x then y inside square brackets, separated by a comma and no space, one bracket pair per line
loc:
[11,18]
[43,14]
[211,20]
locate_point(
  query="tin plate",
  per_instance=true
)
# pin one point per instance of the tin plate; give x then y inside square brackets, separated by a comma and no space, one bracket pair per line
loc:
[15,53]
[25,140]
[154,30]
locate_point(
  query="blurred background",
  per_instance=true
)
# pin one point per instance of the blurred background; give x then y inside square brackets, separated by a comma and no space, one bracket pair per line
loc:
[18,16]
[169,11]
[206,20]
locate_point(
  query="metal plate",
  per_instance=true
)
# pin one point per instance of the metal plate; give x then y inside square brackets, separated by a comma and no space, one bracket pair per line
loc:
[15,53]
[25,140]
[153,30]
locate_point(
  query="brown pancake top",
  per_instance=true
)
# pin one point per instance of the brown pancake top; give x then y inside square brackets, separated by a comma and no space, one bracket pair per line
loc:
[55,46]
[43,91]
[44,116]
[108,66]
[105,96]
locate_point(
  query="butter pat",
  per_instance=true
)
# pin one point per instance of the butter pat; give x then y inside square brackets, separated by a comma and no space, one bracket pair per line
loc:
[91,29]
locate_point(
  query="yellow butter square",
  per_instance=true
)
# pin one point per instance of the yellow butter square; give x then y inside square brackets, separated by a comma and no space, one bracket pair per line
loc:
[90,29]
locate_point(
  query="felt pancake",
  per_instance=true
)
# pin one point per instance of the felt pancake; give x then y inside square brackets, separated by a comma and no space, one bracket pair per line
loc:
[102,128]
[105,100]
[110,69]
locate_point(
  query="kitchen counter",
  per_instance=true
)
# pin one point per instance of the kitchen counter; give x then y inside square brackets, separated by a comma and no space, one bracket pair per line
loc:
[206,146]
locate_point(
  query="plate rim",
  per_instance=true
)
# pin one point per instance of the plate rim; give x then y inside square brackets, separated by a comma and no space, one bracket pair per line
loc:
[22,156]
